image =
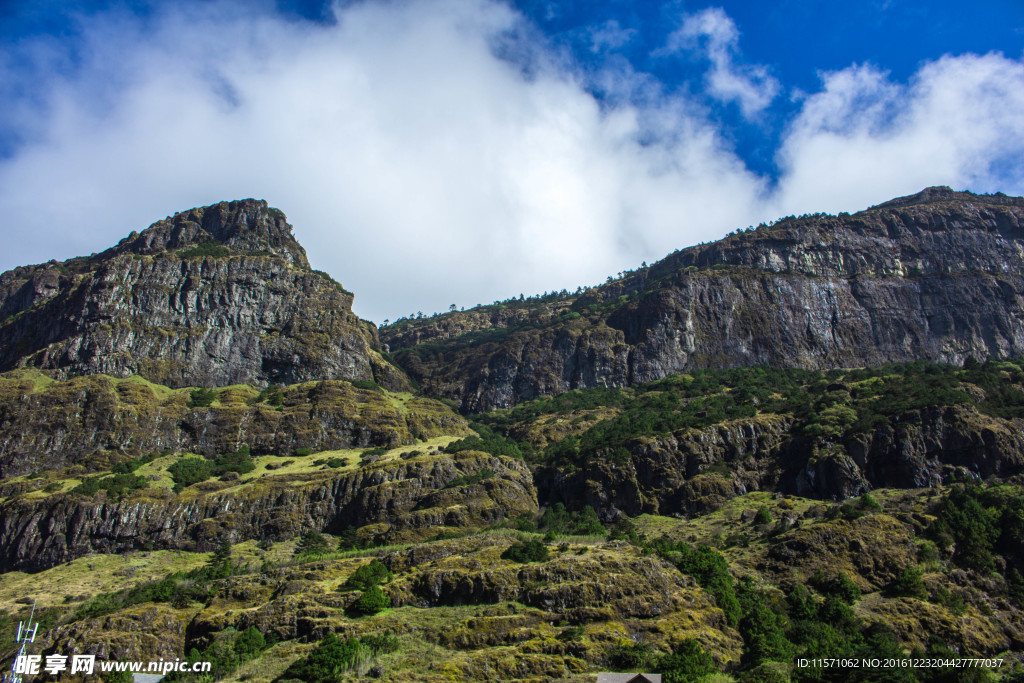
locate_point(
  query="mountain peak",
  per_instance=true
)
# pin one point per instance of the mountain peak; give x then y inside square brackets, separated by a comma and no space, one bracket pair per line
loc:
[243,226]
[944,193]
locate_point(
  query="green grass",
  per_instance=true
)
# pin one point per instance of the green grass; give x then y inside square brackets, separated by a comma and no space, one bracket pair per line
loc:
[108,573]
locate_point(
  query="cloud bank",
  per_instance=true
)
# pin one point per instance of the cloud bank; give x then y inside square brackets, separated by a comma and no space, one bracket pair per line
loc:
[442,152]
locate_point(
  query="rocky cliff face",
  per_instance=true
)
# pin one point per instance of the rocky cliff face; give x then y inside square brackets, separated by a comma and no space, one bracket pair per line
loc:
[96,420]
[934,276]
[694,471]
[209,297]
[396,500]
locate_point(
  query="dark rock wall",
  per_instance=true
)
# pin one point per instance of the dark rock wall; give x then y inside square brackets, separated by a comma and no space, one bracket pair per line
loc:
[251,313]
[940,279]
[395,496]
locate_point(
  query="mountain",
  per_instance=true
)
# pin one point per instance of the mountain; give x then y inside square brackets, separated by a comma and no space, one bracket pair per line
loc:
[803,442]
[208,297]
[938,275]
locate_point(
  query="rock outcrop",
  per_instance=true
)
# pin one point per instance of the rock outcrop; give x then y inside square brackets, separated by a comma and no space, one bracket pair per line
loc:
[935,276]
[694,471]
[95,420]
[209,297]
[394,500]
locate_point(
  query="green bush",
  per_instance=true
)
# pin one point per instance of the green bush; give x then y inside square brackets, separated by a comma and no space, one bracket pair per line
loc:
[711,571]
[908,584]
[189,471]
[117,486]
[302,452]
[272,396]
[202,398]
[582,523]
[470,479]
[331,658]
[530,551]
[841,586]
[367,576]
[204,249]
[688,662]
[762,516]
[954,602]
[763,630]
[311,543]
[868,503]
[250,642]
[372,601]
[635,656]
[238,461]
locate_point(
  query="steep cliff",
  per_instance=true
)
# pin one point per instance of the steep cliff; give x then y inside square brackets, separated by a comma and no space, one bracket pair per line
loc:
[96,420]
[694,471]
[401,499]
[208,297]
[936,276]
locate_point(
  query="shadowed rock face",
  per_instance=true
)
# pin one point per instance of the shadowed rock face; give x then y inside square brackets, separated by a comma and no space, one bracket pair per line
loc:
[397,500]
[695,471]
[936,276]
[209,297]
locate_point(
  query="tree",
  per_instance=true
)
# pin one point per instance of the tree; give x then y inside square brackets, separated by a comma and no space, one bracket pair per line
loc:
[531,551]
[327,662]
[219,565]
[368,575]
[688,662]
[370,602]
[250,643]
[311,543]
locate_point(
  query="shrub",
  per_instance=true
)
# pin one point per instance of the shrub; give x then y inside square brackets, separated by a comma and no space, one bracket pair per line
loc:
[372,601]
[238,461]
[331,658]
[204,249]
[367,576]
[632,656]
[868,503]
[272,396]
[530,551]
[470,479]
[201,398]
[250,642]
[311,543]
[841,587]
[762,629]
[688,662]
[908,584]
[762,516]
[572,633]
[954,602]
[302,452]
[117,486]
[188,471]
[711,570]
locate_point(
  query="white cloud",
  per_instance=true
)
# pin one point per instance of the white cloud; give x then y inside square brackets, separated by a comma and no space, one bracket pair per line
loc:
[712,31]
[609,36]
[864,139]
[421,170]
[417,167]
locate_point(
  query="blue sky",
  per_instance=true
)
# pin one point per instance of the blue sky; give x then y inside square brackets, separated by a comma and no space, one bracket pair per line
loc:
[431,152]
